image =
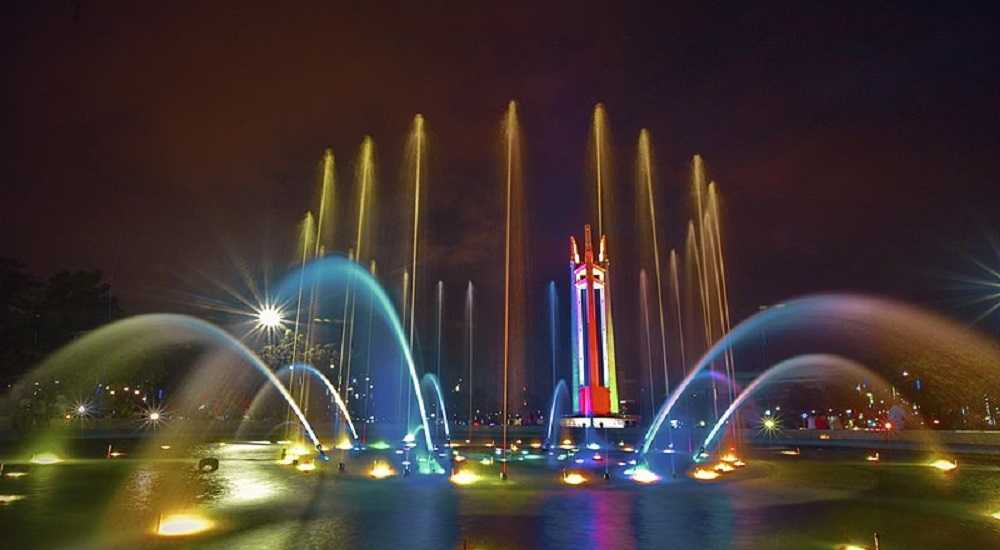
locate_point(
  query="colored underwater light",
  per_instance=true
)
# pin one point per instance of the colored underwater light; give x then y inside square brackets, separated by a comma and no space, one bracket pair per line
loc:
[574,478]
[723,467]
[703,474]
[381,470]
[464,477]
[944,465]
[645,476]
[180,525]
[379,446]
[344,444]
[729,457]
[45,459]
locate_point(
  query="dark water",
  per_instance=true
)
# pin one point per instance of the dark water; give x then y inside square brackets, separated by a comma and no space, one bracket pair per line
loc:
[820,499]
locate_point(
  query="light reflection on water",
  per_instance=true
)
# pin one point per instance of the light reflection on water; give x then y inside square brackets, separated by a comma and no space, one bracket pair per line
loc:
[782,503]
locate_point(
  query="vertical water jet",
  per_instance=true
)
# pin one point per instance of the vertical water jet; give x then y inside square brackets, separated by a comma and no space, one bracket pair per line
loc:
[470,325]
[646,176]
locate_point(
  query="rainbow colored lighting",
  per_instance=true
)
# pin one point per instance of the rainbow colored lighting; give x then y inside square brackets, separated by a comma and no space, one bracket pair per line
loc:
[595,385]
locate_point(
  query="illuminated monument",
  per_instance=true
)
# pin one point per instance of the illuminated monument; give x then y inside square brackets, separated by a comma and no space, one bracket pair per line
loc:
[595,384]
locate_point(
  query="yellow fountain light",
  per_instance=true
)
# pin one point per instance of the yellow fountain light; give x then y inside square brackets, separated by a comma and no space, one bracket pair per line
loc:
[644,476]
[536,445]
[15,475]
[729,457]
[574,478]
[995,515]
[723,467]
[381,470]
[344,444]
[851,547]
[115,454]
[944,465]
[297,451]
[567,441]
[305,466]
[739,463]
[182,525]
[45,459]
[165,447]
[7,499]
[874,457]
[486,461]
[703,474]
[464,477]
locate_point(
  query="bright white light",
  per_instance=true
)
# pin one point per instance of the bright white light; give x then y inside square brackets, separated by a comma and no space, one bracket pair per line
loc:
[270,317]
[154,416]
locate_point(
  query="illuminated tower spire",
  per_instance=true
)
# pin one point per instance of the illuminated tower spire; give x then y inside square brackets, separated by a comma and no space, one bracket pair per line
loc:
[595,387]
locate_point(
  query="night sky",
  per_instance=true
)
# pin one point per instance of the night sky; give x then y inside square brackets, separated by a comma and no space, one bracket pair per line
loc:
[855,148]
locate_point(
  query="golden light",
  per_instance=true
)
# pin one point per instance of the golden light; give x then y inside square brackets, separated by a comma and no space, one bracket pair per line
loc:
[574,478]
[15,475]
[995,515]
[182,525]
[851,547]
[344,444]
[874,457]
[723,467]
[7,499]
[305,466]
[115,454]
[567,441]
[791,452]
[381,470]
[297,451]
[824,437]
[536,445]
[165,447]
[45,459]
[770,424]
[154,416]
[464,477]
[739,463]
[703,474]
[729,457]
[645,476]
[944,465]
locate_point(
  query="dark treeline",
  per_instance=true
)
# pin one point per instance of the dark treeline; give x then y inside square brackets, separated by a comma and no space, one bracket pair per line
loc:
[39,315]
